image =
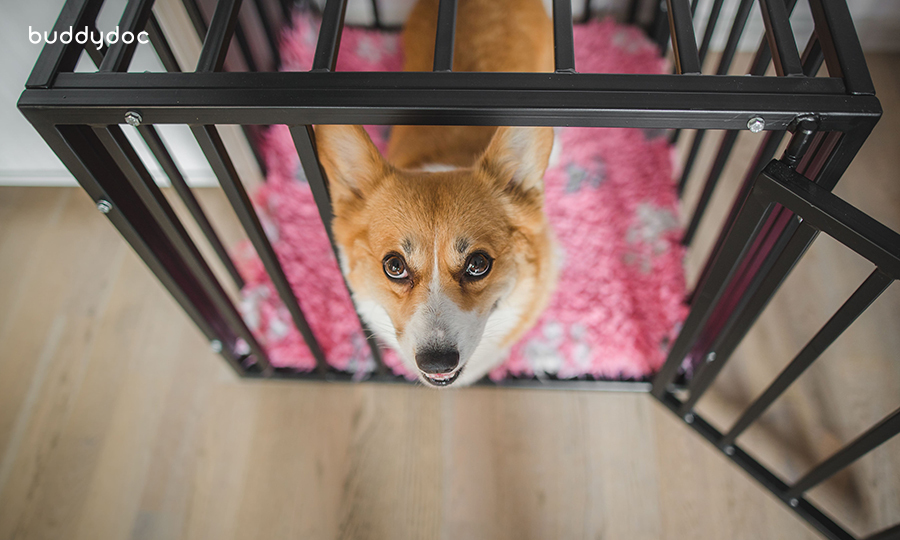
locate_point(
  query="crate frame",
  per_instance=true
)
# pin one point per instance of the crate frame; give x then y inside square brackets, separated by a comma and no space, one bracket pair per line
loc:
[781,207]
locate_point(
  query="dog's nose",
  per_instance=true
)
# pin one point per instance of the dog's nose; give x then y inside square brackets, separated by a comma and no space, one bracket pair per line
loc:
[437,360]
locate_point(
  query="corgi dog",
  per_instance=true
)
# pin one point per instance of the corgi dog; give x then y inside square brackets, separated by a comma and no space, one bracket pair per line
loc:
[444,244]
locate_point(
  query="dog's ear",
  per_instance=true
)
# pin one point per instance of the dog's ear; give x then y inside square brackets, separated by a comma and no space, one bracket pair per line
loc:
[518,156]
[350,159]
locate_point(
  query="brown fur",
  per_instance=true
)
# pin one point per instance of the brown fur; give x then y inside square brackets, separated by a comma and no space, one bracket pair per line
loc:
[491,35]
[492,203]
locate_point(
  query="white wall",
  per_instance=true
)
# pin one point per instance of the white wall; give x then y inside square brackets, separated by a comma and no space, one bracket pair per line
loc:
[26,160]
[24,157]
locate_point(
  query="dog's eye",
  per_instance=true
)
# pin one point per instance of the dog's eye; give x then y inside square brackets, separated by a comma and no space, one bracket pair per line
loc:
[394,267]
[478,265]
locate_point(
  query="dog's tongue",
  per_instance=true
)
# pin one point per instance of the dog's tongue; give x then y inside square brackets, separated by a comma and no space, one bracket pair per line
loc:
[439,376]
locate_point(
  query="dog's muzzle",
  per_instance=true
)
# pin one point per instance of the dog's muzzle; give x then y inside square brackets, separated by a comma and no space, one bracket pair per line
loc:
[438,365]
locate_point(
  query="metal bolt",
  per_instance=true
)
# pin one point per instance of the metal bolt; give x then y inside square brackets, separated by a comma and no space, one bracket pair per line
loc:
[794,502]
[133,118]
[216,346]
[104,206]
[689,418]
[729,450]
[756,124]
[241,347]
[711,357]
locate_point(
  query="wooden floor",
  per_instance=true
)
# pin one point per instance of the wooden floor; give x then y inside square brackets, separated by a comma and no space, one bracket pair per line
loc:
[117,421]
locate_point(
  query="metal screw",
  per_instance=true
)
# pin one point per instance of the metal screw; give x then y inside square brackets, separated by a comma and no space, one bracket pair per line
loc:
[794,502]
[241,347]
[216,346]
[711,357]
[133,118]
[729,450]
[756,124]
[689,418]
[104,206]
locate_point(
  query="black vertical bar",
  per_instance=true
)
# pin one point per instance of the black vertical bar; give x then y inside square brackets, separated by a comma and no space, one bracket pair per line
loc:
[134,172]
[586,14]
[780,38]
[270,30]
[691,159]
[244,46]
[196,17]
[727,144]
[161,153]
[563,42]
[739,237]
[58,56]
[684,43]
[161,45]
[82,153]
[218,37]
[660,26]
[633,7]
[734,36]
[812,59]
[787,250]
[753,288]
[443,40]
[330,35]
[858,302]
[376,14]
[812,56]
[133,20]
[216,154]
[96,53]
[305,142]
[711,22]
[866,442]
[840,43]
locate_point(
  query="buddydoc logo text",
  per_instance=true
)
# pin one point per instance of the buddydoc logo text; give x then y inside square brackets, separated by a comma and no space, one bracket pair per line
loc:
[84,35]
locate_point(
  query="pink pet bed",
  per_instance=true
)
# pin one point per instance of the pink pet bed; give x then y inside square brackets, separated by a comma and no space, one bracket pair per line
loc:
[609,197]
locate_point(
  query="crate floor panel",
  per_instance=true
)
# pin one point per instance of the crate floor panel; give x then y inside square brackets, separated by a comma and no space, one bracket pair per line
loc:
[610,198]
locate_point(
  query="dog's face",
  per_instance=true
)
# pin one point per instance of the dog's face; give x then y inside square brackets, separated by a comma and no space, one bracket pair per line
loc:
[432,258]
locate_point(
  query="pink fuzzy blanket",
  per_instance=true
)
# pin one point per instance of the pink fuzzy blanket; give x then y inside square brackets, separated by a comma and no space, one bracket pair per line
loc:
[609,196]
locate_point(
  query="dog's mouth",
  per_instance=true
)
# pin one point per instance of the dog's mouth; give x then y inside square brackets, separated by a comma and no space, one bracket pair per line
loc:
[441,379]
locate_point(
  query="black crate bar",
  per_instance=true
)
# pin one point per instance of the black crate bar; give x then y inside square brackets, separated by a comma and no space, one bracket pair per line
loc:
[830,117]
[444,36]
[164,158]
[861,299]
[305,142]
[822,211]
[781,38]
[218,36]
[58,57]
[734,36]
[329,36]
[563,40]
[684,43]
[812,60]
[212,58]
[133,20]
[729,138]
[129,165]
[214,149]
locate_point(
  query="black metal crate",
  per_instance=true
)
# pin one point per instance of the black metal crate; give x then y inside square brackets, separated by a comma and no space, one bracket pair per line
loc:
[781,205]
